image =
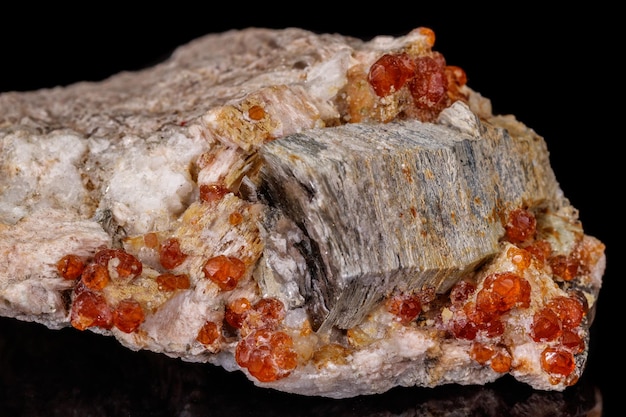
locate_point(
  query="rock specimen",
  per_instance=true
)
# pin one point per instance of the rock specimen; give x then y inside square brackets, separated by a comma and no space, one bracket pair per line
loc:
[330,216]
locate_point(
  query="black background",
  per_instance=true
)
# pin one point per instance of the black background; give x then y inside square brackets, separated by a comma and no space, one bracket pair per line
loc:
[558,71]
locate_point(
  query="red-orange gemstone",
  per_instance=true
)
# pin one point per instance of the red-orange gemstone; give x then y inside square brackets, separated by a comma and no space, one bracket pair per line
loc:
[521,225]
[265,313]
[70,267]
[580,297]
[151,240]
[256,112]
[236,311]
[128,315]
[270,309]
[405,307]
[540,250]
[564,267]
[501,362]
[521,258]
[390,72]
[503,291]
[125,264]
[95,277]
[172,282]
[90,309]
[488,323]
[546,325]
[284,357]
[235,218]
[569,310]
[212,192]
[557,361]
[461,292]
[490,326]
[456,76]
[481,353]
[225,271]
[268,355]
[464,329]
[429,87]
[572,342]
[209,333]
[170,254]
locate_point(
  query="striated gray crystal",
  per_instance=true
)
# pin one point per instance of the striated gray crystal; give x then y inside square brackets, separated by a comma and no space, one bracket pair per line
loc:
[399,206]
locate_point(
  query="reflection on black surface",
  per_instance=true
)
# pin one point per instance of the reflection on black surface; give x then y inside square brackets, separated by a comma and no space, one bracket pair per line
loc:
[71,373]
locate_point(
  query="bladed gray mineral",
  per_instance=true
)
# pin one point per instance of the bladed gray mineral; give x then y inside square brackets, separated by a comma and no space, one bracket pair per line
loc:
[399,206]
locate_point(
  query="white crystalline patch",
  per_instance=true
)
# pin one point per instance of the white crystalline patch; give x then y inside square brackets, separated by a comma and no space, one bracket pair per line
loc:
[527,364]
[222,163]
[39,172]
[529,353]
[35,297]
[32,247]
[325,79]
[412,344]
[409,344]
[150,187]
[30,286]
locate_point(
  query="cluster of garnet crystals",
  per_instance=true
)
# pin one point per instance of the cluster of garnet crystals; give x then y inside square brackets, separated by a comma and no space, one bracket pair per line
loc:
[263,349]
[431,83]
[90,307]
[557,324]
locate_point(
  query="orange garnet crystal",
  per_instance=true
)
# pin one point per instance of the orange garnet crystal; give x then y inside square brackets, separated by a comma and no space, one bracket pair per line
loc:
[170,254]
[123,263]
[267,355]
[502,291]
[390,72]
[70,267]
[90,309]
[128,315]
[225,271]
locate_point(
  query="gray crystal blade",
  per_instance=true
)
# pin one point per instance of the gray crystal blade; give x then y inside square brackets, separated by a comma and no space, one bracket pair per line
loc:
[401,206]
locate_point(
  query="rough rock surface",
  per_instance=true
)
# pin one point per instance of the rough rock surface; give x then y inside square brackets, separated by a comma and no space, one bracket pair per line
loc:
[328,215]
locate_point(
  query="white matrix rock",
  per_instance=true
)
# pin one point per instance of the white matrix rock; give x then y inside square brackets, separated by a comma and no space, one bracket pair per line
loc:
[330,216]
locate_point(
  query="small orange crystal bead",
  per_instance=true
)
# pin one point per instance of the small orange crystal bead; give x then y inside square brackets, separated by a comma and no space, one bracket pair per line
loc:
[89,309]
[236,311]
[390,72]
[503,291]
[95,277]
[405,307]
[170,254]
[125,264]
[268,355]
[208,333]
[521,225]
[172,282]
[128,315]
[70,267]
[225,271]
[557,361]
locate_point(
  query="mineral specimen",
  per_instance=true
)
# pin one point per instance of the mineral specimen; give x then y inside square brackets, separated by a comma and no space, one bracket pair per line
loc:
[328,215]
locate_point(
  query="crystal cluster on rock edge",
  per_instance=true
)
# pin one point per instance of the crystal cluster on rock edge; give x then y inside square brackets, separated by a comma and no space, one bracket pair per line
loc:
[328,215]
